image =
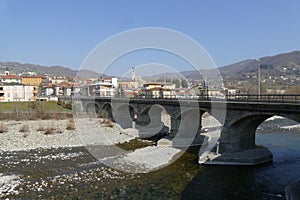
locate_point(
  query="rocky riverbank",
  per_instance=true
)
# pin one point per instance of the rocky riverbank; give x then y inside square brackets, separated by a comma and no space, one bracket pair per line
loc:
[25,135]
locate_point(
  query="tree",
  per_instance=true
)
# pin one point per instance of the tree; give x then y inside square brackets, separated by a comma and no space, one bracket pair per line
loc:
[176,82]
[184,83]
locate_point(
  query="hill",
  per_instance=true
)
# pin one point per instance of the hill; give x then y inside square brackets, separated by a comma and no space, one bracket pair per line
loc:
[15,67]
[289,63]
[285,64]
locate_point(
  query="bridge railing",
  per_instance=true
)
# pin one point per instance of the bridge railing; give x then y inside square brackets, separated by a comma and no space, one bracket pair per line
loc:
[271,98]
[266,98]
[263,98]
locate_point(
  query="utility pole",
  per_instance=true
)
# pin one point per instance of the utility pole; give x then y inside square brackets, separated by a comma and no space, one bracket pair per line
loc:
[258,75]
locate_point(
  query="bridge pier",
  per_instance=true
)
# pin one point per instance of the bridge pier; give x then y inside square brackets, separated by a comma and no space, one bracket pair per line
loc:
[149,122]
[175,123]
[123,115]
[185,129]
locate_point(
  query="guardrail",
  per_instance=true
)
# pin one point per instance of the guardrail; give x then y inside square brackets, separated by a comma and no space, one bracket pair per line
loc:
[276,98]
[263,98]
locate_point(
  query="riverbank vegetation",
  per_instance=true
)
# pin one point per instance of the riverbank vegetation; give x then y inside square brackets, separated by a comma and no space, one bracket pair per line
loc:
[33,110]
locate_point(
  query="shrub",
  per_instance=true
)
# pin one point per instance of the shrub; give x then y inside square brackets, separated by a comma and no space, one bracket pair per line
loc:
[58,130]
[103,114]
[3,128]
[59,102]
[107,123]
[71,125]
[40,128]
[49,131]
[24,128]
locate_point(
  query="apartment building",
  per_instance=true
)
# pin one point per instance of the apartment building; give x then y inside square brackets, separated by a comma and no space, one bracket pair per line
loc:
[17,93]
[104,87]
[11,79]
[159,90]
[32,80]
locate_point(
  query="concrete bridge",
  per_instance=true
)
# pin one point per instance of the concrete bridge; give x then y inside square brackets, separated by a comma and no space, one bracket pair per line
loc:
[240,115]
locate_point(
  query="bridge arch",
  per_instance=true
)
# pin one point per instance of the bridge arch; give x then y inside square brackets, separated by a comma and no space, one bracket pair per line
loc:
[153,120]
[106,111]
[123,114]
[92,108]
[239,131]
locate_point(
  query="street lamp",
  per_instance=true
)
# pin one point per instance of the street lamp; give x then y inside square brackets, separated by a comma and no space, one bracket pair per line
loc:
[258,82]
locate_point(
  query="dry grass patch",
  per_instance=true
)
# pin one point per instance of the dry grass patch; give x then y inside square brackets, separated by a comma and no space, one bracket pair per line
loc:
[49,131]
[59,130]
[24,128]
[52,130]
[103,114]
[107,123]
[3,128]
[71,125]
[40,128]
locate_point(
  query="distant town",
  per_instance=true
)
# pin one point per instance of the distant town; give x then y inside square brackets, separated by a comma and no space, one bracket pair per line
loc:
[28,86]
[277,74]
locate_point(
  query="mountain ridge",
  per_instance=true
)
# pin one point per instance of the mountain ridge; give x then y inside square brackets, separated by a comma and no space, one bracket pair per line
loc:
[56,70]
[276,65]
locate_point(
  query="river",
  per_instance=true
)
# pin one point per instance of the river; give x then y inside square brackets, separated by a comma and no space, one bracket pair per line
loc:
[59,174]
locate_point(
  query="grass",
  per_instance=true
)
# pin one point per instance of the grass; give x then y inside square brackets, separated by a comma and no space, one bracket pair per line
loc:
[33,110]
[46,106]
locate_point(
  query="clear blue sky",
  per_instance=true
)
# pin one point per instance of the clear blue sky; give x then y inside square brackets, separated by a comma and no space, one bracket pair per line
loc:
[63,32]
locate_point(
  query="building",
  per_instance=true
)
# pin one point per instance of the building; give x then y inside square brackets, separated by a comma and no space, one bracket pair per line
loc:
[105,87]
[48,90]
[158,90]
[182,92]
[11,79]
[133,74]
[201,92]
[32,80]
[63,89]
[127,85]
[17,93]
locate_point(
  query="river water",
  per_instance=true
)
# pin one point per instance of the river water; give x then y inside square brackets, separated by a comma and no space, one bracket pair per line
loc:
[61,174]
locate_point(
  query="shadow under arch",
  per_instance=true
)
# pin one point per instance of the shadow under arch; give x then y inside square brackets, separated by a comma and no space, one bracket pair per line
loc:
[123,114]
[153,120]
[106,111]
[92,109]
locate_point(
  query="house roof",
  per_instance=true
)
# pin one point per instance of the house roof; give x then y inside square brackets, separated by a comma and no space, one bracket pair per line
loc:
[33,77]
[157,89]
[11,76]
[158,83]
[65,84]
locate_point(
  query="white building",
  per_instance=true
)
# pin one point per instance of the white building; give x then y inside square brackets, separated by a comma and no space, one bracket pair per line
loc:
[11,79]
[159,90]
[17,93]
